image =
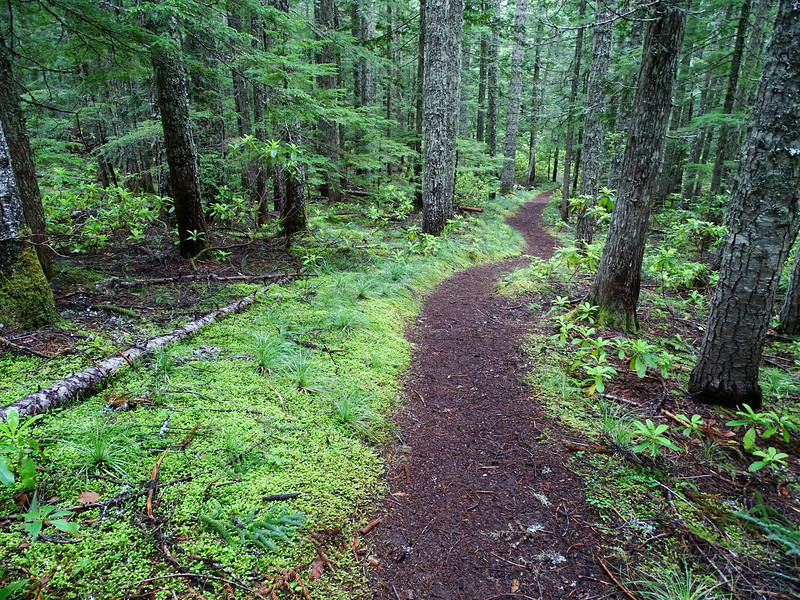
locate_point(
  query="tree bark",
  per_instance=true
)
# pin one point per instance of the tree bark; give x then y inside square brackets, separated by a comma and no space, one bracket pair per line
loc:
[491,81]
[725,133]
[418,114]
[442,80]
[173,102]
[463,108]
[536,111]
[26,300]
[514,97]
[19,147]
[616,286]
[593,127]
[573,95]
[329,138]
[763,222]
[482,68]
[789,315]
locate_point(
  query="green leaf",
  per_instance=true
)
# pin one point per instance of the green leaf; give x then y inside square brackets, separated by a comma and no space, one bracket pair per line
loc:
[7,590]
[6,476]
[66,526]
[27,472]
[769,432]
[749,439]
[33,529]
[759,464]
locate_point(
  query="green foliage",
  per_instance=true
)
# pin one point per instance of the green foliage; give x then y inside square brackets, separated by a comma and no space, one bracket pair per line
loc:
[19,451]
[101,447]
[769,458]
[694,425]
[778,529]
[272,351]
[275,525]
[39,515]
[674,584]
[651,438]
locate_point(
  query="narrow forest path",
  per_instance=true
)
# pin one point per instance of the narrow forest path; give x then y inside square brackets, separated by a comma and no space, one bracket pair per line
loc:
[481,505]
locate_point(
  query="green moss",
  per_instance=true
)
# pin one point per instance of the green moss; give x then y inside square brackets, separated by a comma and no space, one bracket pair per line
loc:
[26,300]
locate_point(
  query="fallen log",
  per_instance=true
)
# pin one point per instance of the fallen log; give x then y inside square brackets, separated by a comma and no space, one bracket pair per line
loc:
[83,382]
[470,208]
[197,277]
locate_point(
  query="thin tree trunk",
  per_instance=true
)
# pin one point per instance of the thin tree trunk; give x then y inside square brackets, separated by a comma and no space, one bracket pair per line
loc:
[573,95]
[514,97]
[593,127]
[463,108]
[483,67]
[789,315]
[327,82]
[420,88]
[616,286]
[173,101]
[491,82]
[725,134]
[536,111]
[442,82]
[763,222]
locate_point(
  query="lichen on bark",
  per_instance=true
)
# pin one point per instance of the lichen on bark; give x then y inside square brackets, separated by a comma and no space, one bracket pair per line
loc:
[26,301]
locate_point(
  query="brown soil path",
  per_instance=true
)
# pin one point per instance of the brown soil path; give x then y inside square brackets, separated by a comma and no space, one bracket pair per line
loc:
[481,505]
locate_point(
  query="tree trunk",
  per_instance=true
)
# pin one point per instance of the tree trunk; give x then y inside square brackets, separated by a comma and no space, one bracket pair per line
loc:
[259,103]
[763,222]
[536,111]
[790,310]
[725,133]
[420,88]
[170,79]
[442,82]
[573,95]
[616,286]
[26,300]
[327,126]
[463,108]
[484,63]
[491,80]
[21,154]
[593,127]
[514,97]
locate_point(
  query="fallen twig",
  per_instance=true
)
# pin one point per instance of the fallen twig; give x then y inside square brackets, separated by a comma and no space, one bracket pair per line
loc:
[369,527]
[280,497]
[197,277]
[11,344]
[199,576]
[614,579]
[154,484]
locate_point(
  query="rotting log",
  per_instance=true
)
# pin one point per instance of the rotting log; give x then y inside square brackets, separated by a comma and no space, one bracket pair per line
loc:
[85,381]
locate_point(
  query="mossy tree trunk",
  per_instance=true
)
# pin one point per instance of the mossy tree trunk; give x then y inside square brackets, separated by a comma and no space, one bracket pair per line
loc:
[19,148]
[616,286]
[26,300]
[763,222]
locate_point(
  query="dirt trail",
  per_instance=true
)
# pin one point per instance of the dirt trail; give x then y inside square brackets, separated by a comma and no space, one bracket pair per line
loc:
[481,505]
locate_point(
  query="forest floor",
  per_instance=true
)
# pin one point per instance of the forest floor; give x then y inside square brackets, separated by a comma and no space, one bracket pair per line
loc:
[473,490]
[490,490]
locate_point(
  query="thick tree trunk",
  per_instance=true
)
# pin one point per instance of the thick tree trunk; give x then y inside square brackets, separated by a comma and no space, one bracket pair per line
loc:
[763,222]
[173,101]
[442,81]
[726,132]
[22,157]
[573,95]
[25,297]
[616,286]
[514,97]
[593,127]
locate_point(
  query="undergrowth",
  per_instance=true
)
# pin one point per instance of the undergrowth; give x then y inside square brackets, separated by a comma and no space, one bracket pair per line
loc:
[262,431]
